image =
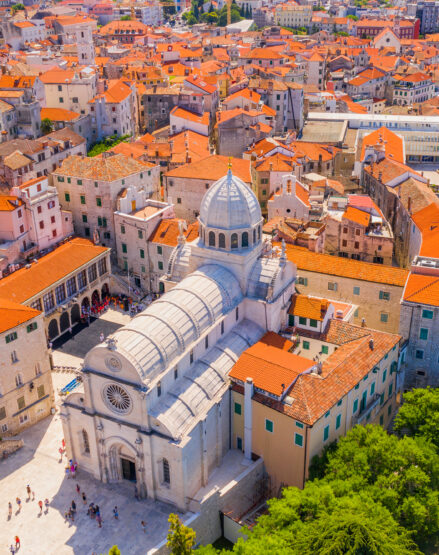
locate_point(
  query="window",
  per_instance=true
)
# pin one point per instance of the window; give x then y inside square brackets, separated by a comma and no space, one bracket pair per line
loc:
[239,443]
[305,345]
[372,388]
[340,403]
[356,245]
[160,265]
[82,279]
[238,408]
[419,354]
[298,440]
[269,425]
[159,389]
[212,238]
[222,327]
[222,241]
[390,389]
[79,181]
[92,273]
[22,226]
[302,281]
[299,424]
[356,290]
[98,201]
[166,472]
[11,337]
[60,179]
[61,99]
[2,413]
[389,410]
[49,301]
[302,321]
[326,433]
[237,313]
[332,286]
[191,357]
[60,293]
[423,334]
[41,224]
[20,403]
[234,241]
[31,327]
[338,421]
[427,314]
[384,317]
[40,391]
[85,443]
[124,248]
[355,406]
[142,253]
[384,375]
[178,200]
[328,414]
[122,229]
[325,349]
[384,296]
[159,250]
[244,239]
[67,197]
[313,323]
[175,373]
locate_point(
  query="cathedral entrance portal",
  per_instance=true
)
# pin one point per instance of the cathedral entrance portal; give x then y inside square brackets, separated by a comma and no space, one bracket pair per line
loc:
[128,469]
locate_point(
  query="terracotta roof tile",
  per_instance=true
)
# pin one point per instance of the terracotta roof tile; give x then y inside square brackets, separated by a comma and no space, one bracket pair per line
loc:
[213,168]
[167,232]
[109,168]
[308,307]
[357,216]
[13,314]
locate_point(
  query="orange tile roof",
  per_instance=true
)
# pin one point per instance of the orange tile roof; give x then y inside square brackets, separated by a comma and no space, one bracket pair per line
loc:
[308,307]
[9,203]
[167,232]
[57,76]
[345,267]
[213,168]
[422,289]
[191,116]
[109,168]
[393,143]
[28,282]
[13,314]
[357,216]
[58,114]
[273,370]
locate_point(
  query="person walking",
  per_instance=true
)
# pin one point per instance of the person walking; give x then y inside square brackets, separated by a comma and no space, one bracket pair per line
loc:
[46,503]
[29,491]
[73,506]
[116,513]
[18,501]
[78,489]
[84,498]
[143,524]
[101,337]
[12,549]
[10,509]
[17,542]
[99,520]
[40,505]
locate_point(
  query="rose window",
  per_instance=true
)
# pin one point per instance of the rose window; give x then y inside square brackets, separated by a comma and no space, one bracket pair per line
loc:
[117,398]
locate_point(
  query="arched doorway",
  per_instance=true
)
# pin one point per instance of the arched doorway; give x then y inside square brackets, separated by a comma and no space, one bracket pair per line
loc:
[95,297]
[75,314]
[53,329]
[105,291]
[122,463]
[85,303]
[64,322]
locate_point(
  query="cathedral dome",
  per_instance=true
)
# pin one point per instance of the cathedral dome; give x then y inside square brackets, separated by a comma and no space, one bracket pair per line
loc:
[230,204]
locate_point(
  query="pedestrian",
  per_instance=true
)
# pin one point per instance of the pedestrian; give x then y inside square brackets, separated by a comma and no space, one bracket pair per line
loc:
[70,331]
[101,337]
[78,489]
[116,513]
[50,345]
[12,549]
[91,512]
[40,505]
[67,472]
[61,451]
[97,511]
[63,443]
[72,515]
[46,503]
[18,501]
[84,498]
[66,515]
[17,542]
[33,496]
[143,524]
[73,506]
[136,494]
[29,491]
[99,520]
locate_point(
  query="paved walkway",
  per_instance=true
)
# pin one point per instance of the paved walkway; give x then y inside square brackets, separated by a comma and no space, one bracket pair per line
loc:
[38,464]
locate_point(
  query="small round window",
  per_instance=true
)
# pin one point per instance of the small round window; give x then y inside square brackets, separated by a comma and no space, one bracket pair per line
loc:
[117,398]
[113,364]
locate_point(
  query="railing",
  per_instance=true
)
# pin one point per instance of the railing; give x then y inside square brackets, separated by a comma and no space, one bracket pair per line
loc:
[366,412]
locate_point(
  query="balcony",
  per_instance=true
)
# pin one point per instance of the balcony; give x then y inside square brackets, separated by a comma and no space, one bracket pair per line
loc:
[369,412]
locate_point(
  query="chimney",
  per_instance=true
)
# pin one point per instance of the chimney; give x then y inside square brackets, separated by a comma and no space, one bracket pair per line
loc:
[248,394]
[371,344]
[409,205]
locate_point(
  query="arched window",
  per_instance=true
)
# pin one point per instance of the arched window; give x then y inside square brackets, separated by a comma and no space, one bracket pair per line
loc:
[222,241]
[159,389]
[211,239]
[234,240]
[254,235]
[85,442]
[166,472]
[244,239]
[18,380]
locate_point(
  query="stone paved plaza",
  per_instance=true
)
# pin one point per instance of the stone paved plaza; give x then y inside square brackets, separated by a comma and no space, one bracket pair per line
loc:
[38,464]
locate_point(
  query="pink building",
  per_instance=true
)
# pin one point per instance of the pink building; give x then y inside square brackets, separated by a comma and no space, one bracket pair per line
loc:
[292,201]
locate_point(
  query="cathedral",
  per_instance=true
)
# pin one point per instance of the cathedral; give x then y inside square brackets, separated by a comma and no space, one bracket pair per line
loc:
[156,403]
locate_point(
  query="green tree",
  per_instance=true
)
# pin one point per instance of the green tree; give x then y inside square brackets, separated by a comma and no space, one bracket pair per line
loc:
[17,7]
[419,415]
[125,18]
[46,126]
[195,10]
[114,551]
[353,17]
[401,474]
[181,538]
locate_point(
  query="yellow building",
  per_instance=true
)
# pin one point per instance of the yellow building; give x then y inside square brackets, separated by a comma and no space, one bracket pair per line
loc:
[26,393]
[286,408]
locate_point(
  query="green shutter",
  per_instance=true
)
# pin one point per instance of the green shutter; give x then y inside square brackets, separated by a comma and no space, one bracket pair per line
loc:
[238,408]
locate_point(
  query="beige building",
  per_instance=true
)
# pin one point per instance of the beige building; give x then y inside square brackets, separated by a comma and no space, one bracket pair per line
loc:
[90,187]
[62,284]
[376,289]
[293,15]
[286,406]
[26,393]
[70,89]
